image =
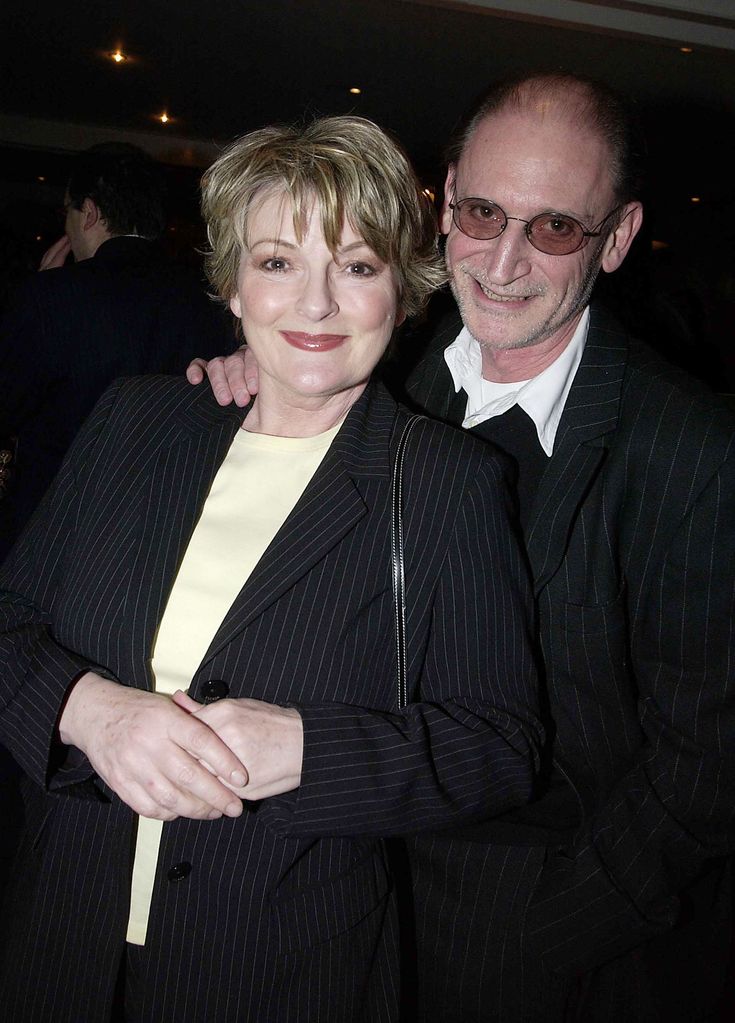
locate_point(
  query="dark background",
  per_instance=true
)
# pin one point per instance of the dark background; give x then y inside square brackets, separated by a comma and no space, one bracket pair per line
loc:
[222,67]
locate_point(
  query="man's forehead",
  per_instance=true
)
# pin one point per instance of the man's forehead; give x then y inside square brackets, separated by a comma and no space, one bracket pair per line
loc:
[549,158]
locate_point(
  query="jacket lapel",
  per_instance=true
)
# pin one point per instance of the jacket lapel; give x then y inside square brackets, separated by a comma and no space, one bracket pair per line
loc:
[174,486]
[331,505]
[590,416]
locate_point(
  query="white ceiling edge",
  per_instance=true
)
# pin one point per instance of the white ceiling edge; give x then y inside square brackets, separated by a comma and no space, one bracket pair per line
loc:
[686,22]
[30,132]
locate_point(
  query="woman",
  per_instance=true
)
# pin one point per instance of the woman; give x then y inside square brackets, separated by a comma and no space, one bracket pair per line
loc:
[247,560]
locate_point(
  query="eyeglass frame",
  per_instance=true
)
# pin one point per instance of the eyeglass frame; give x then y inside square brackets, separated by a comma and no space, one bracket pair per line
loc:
[586,235]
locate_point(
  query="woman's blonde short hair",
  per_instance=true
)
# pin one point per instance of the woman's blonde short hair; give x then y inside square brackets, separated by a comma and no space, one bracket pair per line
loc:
[355,171]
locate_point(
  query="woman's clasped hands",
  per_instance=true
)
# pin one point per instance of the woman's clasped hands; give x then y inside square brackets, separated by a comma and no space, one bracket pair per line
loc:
[169,758]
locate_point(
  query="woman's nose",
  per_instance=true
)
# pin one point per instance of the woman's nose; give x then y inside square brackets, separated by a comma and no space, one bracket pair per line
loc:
[317,299]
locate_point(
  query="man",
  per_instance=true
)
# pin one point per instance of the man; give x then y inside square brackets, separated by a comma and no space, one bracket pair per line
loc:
[121,308]
[607,898]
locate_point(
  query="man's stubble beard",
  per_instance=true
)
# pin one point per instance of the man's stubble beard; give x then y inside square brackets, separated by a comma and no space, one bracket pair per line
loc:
[544,330]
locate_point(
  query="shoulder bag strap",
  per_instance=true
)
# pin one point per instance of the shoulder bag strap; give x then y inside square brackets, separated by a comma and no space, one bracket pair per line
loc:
[396,545]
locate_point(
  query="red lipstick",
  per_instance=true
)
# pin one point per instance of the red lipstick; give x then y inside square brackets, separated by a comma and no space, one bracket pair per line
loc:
[313,342]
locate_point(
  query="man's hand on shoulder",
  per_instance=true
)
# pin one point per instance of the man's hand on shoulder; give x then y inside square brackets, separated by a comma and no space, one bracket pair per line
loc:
[234,377]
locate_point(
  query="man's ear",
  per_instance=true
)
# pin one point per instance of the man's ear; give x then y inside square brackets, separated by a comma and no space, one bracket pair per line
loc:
[91,214]
[619,241]
[445,217]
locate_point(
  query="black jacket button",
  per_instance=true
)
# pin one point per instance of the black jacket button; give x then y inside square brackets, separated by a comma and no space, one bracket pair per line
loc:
[179,872]
[214,690]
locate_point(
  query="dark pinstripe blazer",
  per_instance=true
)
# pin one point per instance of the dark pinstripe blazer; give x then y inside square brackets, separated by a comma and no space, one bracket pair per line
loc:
[286,913]
[631,543]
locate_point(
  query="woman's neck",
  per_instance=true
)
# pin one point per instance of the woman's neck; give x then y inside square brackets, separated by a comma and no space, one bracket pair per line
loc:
[299,416]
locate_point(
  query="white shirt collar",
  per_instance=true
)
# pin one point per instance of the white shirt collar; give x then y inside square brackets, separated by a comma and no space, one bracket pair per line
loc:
[542,397]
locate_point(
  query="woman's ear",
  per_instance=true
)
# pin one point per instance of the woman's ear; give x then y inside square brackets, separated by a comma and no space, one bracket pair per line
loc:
[235,306]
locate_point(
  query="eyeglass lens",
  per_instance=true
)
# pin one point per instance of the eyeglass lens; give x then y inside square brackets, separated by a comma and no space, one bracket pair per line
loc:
[552,233]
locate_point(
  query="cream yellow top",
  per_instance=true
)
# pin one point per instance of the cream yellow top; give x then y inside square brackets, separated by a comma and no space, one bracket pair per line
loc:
[255,489]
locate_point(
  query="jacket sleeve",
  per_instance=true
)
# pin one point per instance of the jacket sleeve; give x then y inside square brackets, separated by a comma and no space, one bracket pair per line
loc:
[466,748]
[35,670]
[672,811]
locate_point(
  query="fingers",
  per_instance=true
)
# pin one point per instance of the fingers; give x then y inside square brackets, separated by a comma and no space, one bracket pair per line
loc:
[183,700]
[241,371]
[202,743]
[56,254]
[232,378]
[195,371]
[235,781]
[218,380]
[266,737]
[155,755]
[162,780]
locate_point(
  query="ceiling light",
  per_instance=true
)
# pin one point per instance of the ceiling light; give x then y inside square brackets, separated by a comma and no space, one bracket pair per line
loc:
[695,198]
[355,91]
[164,118]
[118,57]
[686,49]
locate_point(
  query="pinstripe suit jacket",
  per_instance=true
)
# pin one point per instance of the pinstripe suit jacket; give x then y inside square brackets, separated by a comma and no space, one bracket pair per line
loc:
[285,913]
[631,542]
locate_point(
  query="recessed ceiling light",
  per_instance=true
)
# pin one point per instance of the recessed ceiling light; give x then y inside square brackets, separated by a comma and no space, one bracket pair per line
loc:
[40,178]
[696,198]
[686,49]
[118,56]
[164,118]
[355,91]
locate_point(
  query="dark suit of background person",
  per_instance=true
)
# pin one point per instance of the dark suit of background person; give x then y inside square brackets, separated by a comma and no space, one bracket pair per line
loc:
[288,885]
[71,331]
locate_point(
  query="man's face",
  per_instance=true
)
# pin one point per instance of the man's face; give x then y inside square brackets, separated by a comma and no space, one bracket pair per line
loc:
[511,295]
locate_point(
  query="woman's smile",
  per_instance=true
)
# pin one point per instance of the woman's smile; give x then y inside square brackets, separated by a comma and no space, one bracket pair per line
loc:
[313,342]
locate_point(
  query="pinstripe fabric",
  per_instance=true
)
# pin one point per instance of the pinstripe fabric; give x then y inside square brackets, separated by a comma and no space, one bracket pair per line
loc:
[288,912]
[632,553]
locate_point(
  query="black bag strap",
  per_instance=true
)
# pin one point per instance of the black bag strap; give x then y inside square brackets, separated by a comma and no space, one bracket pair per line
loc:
[396,546]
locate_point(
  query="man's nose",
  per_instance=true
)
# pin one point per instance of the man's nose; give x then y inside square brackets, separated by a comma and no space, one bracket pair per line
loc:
[317,299]
[509,256]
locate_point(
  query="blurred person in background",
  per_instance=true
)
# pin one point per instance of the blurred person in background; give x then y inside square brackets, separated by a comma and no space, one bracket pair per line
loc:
[120,308]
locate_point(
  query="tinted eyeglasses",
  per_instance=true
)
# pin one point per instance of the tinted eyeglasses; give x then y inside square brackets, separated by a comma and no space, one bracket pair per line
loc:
[553,233]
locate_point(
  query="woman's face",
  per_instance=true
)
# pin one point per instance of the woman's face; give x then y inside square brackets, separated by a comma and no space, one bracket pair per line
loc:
[317,322]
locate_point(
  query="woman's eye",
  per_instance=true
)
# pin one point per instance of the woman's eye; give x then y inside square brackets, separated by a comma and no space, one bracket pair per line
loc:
[358,269]
[274,265]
